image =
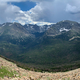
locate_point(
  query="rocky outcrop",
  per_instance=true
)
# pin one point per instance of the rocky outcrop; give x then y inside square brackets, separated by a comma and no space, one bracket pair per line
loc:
[31,75]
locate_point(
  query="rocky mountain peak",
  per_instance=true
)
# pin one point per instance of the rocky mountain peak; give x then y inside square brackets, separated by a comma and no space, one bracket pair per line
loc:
[35,28]
[63,26]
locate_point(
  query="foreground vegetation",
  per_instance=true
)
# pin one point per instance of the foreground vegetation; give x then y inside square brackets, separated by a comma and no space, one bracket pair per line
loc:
[7,72]
[32,75]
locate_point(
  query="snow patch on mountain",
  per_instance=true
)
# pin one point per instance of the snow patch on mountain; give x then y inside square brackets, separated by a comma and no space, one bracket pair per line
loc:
[64,29]
[44,28]
[10,24]
[3,24]
[72,24]
[31,27]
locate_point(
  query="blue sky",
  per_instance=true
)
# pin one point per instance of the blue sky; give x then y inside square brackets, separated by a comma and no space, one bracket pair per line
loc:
[24,6]
[39,11]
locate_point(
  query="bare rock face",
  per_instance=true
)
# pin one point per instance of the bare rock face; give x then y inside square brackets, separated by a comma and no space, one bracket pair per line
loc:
[31,75]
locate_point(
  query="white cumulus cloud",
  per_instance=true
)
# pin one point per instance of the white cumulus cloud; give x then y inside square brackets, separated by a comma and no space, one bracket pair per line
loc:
[55,10]
[47,11]
[72,9]
[9,12]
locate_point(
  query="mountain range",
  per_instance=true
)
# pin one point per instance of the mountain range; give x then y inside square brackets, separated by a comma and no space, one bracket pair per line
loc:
[49,47]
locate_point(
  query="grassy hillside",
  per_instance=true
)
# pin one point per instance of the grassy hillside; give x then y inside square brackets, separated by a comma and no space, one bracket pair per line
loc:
[4,71]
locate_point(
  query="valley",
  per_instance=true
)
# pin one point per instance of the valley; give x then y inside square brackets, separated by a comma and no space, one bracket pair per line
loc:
[51,48]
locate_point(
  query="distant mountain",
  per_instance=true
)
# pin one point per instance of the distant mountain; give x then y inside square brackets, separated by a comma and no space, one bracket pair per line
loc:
[14,30]
[35,28]
[64,26]
[42,47]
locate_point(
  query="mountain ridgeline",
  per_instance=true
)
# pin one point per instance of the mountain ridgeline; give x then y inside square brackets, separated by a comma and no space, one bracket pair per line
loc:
[48,48]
